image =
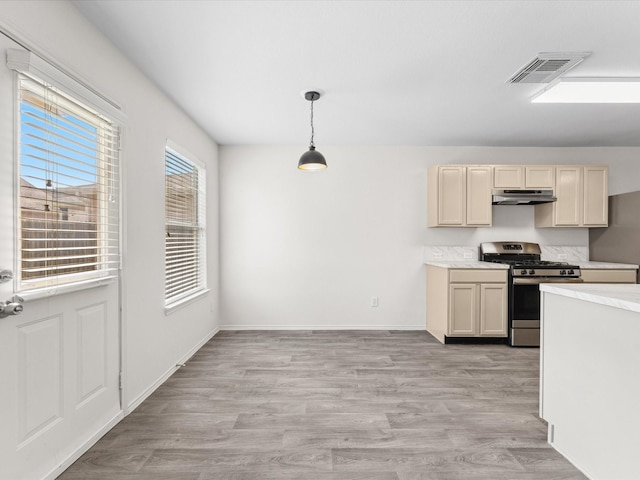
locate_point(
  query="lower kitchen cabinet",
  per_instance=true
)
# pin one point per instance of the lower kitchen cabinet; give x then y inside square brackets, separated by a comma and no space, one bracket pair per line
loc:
[466,303]
[477,309]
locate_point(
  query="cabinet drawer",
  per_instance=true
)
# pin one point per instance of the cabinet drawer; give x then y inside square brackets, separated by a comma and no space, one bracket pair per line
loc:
[608,276]
[477,276]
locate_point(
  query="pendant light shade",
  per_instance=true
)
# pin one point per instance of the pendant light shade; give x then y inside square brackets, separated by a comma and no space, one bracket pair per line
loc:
[312,160]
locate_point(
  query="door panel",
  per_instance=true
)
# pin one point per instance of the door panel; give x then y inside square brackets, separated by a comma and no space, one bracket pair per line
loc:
[569,192]
[479,209]
[596,196]
[539,176]
[92,341]
[62,354]
[463,309]
[508,176]
[40,380]
[452,195]
[493,309]
[60,358]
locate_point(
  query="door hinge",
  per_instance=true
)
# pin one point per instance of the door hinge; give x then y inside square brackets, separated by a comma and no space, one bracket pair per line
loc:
[120,381]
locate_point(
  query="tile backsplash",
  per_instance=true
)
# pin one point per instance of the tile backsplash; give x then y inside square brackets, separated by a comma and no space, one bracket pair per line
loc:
[565,253]
[440,252]
[556,253]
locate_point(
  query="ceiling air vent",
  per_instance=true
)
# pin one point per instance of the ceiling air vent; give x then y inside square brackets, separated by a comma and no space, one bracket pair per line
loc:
[547,66]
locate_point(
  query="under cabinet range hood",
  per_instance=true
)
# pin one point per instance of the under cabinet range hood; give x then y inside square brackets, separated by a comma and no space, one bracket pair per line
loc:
[522,197]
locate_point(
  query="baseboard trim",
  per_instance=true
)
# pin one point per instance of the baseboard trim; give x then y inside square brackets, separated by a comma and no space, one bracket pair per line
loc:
[577,465]
[82,449]
[135,403]
[322,327]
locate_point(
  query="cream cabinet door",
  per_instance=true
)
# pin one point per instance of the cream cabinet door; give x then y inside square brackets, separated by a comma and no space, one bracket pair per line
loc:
[596,196]
[508,176]
[567,209]
[463,309]
[539,176]
[493,309]
[451,195]
[583,200]
[479,196]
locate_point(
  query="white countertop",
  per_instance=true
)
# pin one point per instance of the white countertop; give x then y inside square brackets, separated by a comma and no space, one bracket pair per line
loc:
[477,264]
[623,296]
[605,265]
[500,266]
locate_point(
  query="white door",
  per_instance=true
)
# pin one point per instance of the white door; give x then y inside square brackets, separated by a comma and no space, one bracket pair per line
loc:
[59,358]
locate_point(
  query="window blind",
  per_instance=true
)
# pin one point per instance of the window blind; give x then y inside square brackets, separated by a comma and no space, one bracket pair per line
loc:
[69,189]
[185,227]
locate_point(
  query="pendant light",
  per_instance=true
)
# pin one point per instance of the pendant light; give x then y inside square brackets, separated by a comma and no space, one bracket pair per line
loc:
[312,160]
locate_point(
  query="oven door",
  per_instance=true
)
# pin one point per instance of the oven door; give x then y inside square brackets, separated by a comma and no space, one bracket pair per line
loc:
[524,309]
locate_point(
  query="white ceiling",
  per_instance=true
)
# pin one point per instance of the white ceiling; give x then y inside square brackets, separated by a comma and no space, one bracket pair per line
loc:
[393,72]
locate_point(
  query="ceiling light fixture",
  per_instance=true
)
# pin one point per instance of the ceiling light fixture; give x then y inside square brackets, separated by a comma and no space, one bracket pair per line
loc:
[590,90]
[312,160]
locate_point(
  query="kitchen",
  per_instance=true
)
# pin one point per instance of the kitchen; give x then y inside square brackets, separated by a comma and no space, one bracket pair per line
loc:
[462,196]
[573,308]
[311,251]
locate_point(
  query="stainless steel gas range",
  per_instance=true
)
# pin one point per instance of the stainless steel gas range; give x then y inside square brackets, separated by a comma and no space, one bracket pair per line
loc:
[526,272]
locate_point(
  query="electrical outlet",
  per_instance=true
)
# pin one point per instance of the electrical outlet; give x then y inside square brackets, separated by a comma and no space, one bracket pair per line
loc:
[468,255]
[374,301]
[562,256]
[437,254]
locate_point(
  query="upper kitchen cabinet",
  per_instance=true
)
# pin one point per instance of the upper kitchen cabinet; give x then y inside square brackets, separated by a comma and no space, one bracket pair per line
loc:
[539,176]
[582,193]
[518,177]
[479,210]
[459,196]
[508,176]
[596,196]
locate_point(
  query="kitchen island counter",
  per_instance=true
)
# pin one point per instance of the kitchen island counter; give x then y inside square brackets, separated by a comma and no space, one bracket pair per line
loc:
[623,296]
[589,384]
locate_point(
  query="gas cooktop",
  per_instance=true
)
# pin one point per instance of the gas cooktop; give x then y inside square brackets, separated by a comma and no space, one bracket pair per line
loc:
[524,259]
[530,263]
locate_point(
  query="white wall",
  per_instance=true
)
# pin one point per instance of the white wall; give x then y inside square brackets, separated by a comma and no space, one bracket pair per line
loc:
[153,342]
[309,250]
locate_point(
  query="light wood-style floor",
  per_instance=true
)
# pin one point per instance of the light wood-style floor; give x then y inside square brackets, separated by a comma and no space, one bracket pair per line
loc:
[352,405]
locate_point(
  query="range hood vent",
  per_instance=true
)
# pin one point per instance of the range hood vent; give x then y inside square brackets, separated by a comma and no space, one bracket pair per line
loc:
[547,66]
[522,197]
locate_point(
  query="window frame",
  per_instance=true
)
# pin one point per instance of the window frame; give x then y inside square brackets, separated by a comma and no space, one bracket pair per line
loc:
[171,302]
[108,234]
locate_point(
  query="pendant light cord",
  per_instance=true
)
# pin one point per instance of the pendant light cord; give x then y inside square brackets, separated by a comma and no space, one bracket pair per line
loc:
[312,130]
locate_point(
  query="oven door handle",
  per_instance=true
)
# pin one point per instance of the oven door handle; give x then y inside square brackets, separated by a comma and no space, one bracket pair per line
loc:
[536,281]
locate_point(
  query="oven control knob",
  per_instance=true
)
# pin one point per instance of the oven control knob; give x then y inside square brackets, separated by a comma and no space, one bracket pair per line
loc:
[523,272]
[532,272]
[571,272]
[563,272]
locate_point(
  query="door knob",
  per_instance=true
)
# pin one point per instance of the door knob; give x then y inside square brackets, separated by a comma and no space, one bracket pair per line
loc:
[11,307]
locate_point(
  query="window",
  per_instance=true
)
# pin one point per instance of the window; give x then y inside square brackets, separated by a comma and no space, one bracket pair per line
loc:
[185,272]
[68,206]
